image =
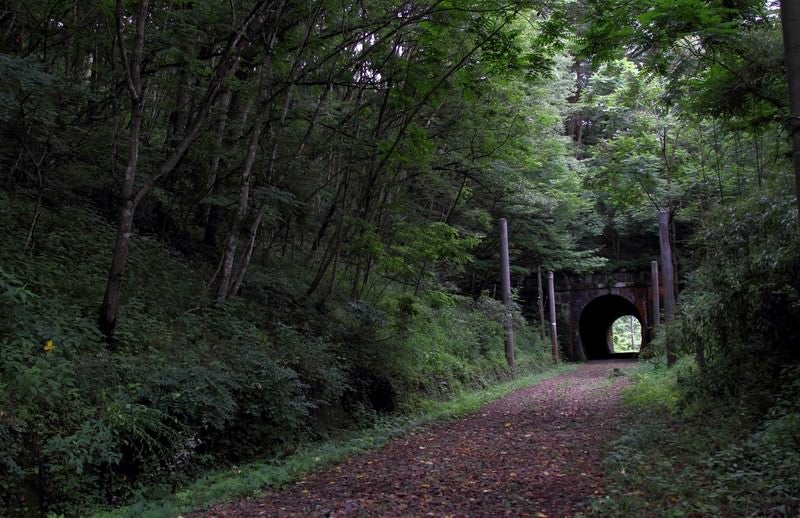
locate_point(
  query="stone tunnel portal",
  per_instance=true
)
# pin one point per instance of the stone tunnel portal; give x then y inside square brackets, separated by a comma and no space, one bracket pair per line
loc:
[596,320]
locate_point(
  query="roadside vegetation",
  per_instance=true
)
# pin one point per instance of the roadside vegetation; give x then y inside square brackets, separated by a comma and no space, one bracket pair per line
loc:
[252,479]
[680,456]
[197,386]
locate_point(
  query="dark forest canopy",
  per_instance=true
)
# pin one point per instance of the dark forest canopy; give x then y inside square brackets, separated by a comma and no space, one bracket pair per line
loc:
[235,221]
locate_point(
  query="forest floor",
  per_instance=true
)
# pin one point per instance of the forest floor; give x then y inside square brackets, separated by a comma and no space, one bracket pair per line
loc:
[537,452]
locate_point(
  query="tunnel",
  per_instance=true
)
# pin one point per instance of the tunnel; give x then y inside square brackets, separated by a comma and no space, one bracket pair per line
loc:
[595,323]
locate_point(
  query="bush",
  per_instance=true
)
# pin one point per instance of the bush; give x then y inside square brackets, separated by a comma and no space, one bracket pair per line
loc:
[678,456]
[740,311]
[81,426]
[450,346]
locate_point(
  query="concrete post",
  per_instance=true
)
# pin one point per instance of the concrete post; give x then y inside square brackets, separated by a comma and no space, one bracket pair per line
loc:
[666,268]
[541,303]
[506,272]
[655,318]
[553,330]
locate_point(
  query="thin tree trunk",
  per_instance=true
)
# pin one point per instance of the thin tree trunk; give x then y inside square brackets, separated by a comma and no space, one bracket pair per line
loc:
[334,270]
[506,279]
[551,287]
[211,212]
[540,302]
[244,262]
[655,319]
[231,244]
[37,211]
[107,318]
[331,251]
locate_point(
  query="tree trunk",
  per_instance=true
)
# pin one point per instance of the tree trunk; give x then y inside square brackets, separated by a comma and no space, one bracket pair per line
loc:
[655,318]
[790,18]
[229,254]
[551,286]
[506,278]
[132,66]
[540,303]
[107,319]
[37,210]
[211,212]
[244,261]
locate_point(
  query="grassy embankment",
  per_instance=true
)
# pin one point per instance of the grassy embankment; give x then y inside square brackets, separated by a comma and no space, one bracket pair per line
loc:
[679,455]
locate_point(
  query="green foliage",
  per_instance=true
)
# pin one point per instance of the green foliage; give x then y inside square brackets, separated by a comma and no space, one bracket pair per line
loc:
[193,384]
[708,457]
[655,387]
[416,249]
[659,29]
[390,138]
[81,425]
[626,334]
[740,308]
[252,479]
[454,344]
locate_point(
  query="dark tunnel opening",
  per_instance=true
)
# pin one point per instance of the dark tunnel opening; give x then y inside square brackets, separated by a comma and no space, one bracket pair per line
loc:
[595,322]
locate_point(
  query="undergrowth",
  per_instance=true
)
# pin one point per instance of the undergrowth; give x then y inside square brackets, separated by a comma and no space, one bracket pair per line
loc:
[252,479]
[191,386]
[680,456]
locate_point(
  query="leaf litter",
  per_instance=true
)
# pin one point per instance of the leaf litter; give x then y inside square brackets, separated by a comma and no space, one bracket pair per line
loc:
[537,452]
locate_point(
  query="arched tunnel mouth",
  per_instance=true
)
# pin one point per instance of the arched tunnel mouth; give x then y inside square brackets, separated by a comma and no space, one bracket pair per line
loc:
[595,325]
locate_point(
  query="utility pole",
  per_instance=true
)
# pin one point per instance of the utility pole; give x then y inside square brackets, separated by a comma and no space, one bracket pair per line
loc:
[542,330]
[656,315]
[666,268]
[553,330]
[506,271]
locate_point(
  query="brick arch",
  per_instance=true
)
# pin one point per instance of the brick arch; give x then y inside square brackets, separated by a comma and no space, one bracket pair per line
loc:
[574,293]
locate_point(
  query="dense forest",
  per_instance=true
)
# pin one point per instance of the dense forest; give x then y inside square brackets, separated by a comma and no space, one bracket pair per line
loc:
[230,229]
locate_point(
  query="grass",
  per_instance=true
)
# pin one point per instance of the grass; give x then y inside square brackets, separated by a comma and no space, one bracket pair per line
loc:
[682,457]
[252,479]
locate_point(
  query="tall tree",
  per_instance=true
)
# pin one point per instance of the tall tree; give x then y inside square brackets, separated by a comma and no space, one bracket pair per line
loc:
[132,52]
[790,17]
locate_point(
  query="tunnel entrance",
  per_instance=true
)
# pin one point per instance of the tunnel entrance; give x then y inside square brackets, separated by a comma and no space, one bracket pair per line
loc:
[595,324]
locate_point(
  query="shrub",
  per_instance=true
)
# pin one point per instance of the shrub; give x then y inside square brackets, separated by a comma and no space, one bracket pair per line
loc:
[449,347]
[740,311]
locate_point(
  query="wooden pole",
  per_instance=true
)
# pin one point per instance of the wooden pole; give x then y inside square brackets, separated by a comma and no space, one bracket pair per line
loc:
[541,303]
[655,318]
[553,330]
[506,271]
[666,268]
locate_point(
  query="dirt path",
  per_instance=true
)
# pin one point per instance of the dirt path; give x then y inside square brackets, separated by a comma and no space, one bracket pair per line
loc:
[533,453]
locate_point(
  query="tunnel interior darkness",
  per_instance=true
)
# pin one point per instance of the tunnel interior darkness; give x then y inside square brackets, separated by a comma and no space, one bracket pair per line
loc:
[595,322]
